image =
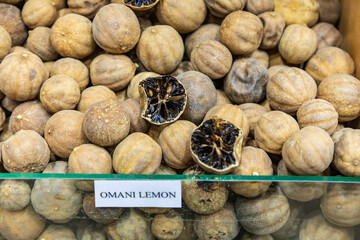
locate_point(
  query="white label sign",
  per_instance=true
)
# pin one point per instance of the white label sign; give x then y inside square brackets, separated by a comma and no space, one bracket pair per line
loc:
[165,194]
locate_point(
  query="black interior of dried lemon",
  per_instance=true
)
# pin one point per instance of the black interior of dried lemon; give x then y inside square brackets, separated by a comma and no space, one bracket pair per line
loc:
[213,144]
[140,3]
[165,99]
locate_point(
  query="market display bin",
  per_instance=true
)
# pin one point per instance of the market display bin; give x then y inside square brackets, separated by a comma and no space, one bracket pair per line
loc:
[55,205]
[50,206]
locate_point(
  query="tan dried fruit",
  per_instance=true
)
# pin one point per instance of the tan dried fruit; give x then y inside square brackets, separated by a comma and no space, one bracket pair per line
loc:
[329,10]
[105,123]
[73,68]
[297,44]
[87,8]
[137,154]
[316,227]
[329,61]
[341,204]
[89,158]
[93,95]
[308,151]
[24,224]
[25,152]
[289,88]
[21,75]
[339,132]
[112,71]
[133,225]
[203,33]
[160,49]
[60,92]
[9,104]
[63,132]
[174,141]
[18,48]
[255,162]
[5,43]
[219,225]
[319,113]
[259,6]
[221,8]
[274,69]
[292,226]
[242,40]
[298,11]
[211,58]
[71,36]
[347,153]
[30,115]
[343,92]
[274,25]
[253,112]
[11,20]
[273,129]
[296,190]
[118,33]
[14,194]
[327,35]
[36,13]
[167,226]
[263,214]
[53,232]
[39,43]
[185,16]
[63,200]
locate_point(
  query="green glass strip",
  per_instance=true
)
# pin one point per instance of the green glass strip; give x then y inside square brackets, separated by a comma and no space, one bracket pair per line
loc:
[179,177]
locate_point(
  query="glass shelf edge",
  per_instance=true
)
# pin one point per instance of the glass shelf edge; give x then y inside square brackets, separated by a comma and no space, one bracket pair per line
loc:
[179,177]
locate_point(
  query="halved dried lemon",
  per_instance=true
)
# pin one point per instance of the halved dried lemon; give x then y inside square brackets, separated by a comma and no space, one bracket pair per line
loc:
[141,5]
[163,99]
[216,146]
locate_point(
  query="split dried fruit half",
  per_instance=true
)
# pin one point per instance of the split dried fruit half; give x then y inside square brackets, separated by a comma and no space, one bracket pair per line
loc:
[163,99]
[216,146]
[141,4]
